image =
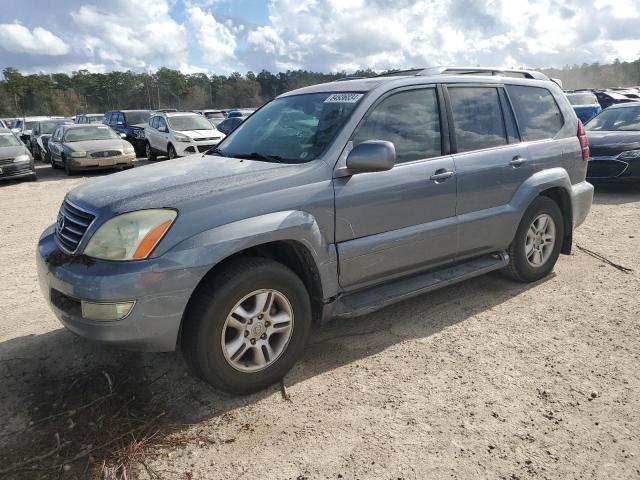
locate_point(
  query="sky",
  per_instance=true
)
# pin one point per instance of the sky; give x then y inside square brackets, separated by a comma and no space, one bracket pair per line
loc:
[222,36]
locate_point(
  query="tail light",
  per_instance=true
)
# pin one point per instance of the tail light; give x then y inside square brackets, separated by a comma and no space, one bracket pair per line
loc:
[584,141]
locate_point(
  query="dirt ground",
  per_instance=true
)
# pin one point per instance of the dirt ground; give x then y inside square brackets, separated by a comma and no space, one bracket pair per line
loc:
[485,379]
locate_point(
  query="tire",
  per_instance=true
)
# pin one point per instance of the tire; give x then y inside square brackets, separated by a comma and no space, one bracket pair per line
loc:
[525,264]
[67,167]
[150,154]
[206,329]
[47,158]
[37,154]
[54,165]
[171,152]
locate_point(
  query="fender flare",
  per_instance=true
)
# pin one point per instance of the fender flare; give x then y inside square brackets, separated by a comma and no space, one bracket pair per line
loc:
[212,246]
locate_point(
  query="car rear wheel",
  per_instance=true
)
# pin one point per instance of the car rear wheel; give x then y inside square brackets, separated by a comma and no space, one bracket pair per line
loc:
[536,246]
[171,152]
[247,325]
[150,154]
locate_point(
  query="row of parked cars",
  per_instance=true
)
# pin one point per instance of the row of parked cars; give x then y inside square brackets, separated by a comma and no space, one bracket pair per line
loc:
[114,139]
[612,122]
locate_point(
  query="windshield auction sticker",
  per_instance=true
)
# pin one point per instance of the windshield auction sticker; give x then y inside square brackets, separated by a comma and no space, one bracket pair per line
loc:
[344,98]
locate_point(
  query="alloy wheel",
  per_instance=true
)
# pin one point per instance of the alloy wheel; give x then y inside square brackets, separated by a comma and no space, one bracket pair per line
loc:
[257,331]
[541,238]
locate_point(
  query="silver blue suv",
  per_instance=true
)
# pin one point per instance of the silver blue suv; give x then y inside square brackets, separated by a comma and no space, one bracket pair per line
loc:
[330,201]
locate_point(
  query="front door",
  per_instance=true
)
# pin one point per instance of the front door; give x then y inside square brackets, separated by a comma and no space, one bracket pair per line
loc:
[391,223]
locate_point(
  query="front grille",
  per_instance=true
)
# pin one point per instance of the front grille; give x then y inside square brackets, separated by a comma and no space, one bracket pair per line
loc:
[6,161]
[71,226]
[204,148]
[106,154]
[206,139]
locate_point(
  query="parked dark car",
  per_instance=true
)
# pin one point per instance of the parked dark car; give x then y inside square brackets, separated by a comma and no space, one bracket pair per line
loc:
[90,118]
[15,159]
[131,123]
[585,104]
[40,136]
[229,124]
[608,98]
[614,139]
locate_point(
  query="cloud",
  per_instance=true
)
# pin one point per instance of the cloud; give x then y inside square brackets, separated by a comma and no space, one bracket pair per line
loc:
[330,35]
[216,40]
[17,38]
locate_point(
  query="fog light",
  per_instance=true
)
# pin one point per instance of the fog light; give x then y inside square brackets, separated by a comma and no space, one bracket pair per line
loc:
[106,311]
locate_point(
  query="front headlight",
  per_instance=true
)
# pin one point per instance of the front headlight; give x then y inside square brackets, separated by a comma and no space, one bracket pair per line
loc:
[129,150]
[629,155]
[182,138]
[130,236]
[22,158]
[78,154]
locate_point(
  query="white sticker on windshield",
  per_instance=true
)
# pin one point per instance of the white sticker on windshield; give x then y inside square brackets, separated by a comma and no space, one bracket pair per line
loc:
[344,98]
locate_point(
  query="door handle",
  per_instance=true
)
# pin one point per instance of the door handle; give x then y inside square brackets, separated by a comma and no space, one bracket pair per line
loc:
[441,175]
[517,161]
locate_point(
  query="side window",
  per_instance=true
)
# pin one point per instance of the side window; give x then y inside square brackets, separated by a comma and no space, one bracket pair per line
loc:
[537,112]
[120,119]
[154,122]
[410,120]
[477,118]
[56,135]
[107,118]
[161,123]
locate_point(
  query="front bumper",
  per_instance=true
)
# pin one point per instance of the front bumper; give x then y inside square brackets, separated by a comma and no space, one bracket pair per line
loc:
[183,148]
[17,170]
[160,288]
[90,163]
[611,169]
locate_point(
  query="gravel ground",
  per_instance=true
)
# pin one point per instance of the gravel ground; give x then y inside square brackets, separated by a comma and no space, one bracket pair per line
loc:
[485,379]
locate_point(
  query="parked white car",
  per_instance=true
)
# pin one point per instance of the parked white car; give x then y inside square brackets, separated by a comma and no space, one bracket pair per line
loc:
[177,134]
[23,126]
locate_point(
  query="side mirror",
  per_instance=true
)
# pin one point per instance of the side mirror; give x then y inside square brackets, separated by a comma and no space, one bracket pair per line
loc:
[372,156]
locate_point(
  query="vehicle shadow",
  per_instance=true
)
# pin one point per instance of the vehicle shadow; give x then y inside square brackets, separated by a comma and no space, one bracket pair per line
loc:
[616,194]
[85,401]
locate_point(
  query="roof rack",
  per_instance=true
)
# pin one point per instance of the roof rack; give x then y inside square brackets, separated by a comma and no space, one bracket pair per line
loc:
[532,74]
[344,79]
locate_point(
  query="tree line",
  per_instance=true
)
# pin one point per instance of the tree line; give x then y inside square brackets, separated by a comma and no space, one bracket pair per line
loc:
[87,92]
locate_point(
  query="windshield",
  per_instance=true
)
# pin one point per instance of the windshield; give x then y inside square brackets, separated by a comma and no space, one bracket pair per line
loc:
[95,118]
[189,122]
[49,127]
[82,134]
[215,121]
[616,119]
[30,125]
[8,140]
[582,99]
[211,115]
[134,118]
[293,129]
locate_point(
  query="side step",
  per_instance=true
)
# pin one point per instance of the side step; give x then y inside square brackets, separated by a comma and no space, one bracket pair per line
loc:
[375,298]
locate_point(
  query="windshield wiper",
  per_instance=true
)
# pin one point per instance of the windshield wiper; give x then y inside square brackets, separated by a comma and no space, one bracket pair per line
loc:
[260,156]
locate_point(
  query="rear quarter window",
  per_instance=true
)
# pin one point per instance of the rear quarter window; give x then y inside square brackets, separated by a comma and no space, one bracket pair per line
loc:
[537,112]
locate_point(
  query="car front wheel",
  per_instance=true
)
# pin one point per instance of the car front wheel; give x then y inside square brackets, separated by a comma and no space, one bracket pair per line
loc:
[246,325]
[536,246]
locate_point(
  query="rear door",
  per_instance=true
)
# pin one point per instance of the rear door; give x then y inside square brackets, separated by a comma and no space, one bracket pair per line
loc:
[392,223]
[151,132]
[162,135]
[491,164]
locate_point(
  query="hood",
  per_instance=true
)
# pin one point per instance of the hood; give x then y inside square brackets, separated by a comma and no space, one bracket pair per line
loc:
[174,182]
[92,145]
[201,133]
[12,152]
[612,143]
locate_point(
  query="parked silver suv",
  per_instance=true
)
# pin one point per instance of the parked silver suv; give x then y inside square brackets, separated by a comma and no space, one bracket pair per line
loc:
[330,201]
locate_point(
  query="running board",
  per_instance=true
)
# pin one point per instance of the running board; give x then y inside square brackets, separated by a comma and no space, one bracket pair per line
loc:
[372,299]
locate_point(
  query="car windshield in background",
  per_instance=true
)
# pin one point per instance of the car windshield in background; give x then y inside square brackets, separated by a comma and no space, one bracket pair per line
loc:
[211,115]
[95,118]
[616,119]
[215,121]
[30,125]
[8,140]
[189,122]
[293,129]
[134,118]
[49,127]
[582,99]
[89,133]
